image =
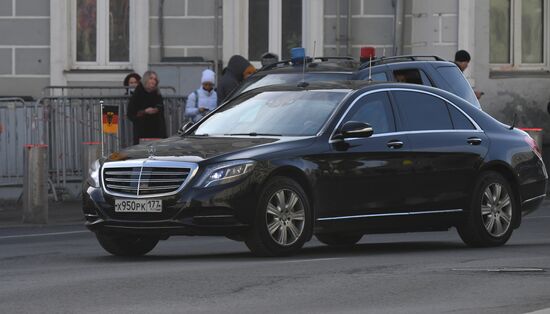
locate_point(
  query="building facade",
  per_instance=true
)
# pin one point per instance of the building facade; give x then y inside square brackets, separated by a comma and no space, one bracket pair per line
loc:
[97,42]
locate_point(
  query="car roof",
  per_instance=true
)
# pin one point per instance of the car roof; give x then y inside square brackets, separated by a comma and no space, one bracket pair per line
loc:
[349,85]
[324,65]
[401,59]
[353,86]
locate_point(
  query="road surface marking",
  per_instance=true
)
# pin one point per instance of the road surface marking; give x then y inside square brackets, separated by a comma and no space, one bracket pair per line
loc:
[543,311]
[537,217]
[502,269]
[42,234]
[311,260]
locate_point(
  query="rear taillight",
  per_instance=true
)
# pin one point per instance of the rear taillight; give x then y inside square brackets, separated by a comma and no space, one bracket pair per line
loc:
[534,147]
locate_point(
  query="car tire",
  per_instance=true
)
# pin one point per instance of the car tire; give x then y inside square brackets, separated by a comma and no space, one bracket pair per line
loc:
[282,221]
[493,209]
[335,239]
[126,245]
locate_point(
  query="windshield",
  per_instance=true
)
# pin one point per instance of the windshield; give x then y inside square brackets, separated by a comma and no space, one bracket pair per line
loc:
[459,84]
[277,113]
[289,78]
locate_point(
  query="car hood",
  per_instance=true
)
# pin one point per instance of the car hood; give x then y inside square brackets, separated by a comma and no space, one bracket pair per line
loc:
[193,148]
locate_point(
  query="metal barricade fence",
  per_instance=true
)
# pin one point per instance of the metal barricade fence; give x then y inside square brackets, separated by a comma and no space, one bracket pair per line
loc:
[64,123]
[22,123]
[96,91]
[74,120]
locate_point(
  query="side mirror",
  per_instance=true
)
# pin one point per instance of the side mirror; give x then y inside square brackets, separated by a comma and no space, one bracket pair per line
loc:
[185,127]
[353,129]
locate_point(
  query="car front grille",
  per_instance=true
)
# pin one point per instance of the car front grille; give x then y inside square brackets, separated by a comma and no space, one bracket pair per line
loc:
[144,180]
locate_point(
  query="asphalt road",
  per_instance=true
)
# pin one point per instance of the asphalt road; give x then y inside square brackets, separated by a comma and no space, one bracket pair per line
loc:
[62,269]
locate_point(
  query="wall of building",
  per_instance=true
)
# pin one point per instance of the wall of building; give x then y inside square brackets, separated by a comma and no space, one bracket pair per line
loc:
[371,24]
[191,28]
[431,27]
[526,95]
[24,47]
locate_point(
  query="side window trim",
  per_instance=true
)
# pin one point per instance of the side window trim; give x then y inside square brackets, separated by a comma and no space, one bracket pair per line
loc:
[396,112]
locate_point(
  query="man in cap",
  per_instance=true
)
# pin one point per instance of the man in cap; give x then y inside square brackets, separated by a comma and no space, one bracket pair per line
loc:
[462,60]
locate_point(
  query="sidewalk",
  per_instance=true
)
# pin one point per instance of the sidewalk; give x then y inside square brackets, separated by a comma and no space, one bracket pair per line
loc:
[59,213]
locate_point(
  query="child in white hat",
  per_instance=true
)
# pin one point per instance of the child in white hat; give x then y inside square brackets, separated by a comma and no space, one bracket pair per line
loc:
[204,99]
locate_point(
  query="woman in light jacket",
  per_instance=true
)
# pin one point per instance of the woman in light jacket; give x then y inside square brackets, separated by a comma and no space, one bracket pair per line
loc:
[204,99]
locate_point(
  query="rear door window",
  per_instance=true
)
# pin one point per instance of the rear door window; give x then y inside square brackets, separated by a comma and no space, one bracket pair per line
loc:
[419,111]
[413,76]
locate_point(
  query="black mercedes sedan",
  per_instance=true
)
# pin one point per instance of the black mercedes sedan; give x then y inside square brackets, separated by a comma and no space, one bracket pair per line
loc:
[336,160]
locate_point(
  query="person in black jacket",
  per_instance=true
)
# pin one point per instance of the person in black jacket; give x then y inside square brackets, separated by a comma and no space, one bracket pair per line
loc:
[462,60]
[237,70]
[146,109]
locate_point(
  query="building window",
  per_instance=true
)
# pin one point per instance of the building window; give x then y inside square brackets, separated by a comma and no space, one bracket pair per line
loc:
[102,33]
[258,28]
[517,33]
[291,33]
[274,26]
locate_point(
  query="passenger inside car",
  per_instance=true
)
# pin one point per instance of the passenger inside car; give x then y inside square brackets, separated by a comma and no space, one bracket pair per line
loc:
[408,76]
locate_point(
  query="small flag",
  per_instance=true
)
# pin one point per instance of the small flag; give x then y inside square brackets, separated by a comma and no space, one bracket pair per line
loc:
[110,119]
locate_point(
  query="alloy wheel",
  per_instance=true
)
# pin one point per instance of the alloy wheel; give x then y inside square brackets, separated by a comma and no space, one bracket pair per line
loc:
[496,209]
[285,217]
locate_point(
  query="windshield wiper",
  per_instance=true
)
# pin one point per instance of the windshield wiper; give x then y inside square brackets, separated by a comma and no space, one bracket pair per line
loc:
[203,134]
[254,134]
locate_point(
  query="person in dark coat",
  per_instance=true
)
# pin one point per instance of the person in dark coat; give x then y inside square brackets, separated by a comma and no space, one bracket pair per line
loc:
[237,70]
[462,60]
[146,109]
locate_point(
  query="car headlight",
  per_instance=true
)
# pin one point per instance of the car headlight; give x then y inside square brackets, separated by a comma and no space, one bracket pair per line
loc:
[225,172]
[93,174]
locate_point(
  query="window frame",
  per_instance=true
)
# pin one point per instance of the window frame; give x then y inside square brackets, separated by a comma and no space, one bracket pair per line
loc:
[515,46]
[102,38]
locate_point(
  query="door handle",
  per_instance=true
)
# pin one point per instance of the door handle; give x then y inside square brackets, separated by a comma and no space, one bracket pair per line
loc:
[395,144]
[474,140]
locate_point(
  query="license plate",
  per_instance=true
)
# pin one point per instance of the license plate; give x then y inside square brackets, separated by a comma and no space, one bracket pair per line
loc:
[138,206]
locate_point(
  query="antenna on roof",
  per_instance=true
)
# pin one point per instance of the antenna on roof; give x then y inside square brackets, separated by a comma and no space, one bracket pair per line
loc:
[303,83]
[514,121]
[367,54]
[370,69]
[299,55]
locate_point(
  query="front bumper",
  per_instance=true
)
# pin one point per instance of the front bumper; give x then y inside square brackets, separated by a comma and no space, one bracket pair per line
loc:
[220,210]
[165,228]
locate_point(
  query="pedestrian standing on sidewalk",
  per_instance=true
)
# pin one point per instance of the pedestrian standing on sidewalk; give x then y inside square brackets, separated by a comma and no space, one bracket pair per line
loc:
[146,109]
[462,60]
[237,70]
[204,99]
[131,81]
